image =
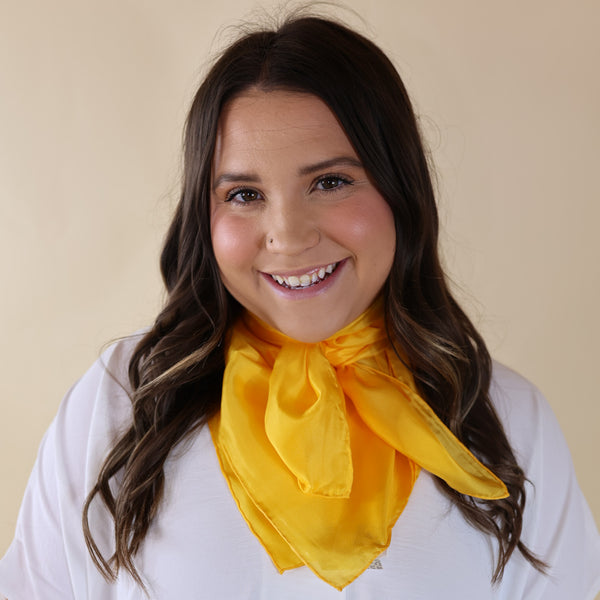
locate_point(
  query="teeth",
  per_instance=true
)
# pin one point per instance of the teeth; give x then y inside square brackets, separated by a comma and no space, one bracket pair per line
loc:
[305,280]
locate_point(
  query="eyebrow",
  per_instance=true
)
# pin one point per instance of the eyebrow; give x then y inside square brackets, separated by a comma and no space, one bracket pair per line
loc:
[233,177]
[348,161]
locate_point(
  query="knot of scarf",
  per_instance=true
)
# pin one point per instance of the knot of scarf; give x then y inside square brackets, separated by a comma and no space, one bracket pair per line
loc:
[321,444]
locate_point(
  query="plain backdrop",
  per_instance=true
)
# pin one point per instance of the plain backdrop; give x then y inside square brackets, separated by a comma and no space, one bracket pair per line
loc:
[93,95]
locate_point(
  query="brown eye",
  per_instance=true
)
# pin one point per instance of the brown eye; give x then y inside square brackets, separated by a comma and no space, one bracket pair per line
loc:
[332,182]
[243,195]
[248,195]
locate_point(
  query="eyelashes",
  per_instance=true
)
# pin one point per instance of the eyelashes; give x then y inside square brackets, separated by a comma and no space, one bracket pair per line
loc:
[242,195]
[328,184]
[332,182]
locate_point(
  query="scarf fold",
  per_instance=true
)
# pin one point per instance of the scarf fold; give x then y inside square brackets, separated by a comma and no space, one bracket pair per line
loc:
[321,444]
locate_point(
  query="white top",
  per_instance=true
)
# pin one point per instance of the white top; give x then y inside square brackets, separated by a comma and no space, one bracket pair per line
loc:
[200,546]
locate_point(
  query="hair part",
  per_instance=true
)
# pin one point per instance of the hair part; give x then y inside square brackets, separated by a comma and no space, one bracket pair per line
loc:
[175,372]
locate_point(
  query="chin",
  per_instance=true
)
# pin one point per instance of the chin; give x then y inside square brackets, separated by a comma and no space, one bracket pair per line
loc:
[312,334]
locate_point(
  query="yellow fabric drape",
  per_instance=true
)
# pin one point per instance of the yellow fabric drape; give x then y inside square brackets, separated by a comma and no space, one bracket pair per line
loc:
[321,444]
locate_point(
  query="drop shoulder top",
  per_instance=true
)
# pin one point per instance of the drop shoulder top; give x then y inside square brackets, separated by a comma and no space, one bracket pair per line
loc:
[199,545]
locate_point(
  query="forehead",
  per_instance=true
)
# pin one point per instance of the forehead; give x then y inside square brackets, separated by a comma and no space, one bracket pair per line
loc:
[276,124]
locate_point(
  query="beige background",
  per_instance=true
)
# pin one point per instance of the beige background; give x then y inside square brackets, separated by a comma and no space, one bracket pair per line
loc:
[93,97]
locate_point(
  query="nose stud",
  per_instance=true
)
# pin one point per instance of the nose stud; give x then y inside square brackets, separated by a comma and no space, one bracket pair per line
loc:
[291,241]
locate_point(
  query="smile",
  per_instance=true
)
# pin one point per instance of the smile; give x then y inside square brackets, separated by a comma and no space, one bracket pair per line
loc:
[313,277]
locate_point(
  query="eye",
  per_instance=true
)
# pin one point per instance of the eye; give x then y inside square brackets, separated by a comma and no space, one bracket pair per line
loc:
[332,182]
[242,195]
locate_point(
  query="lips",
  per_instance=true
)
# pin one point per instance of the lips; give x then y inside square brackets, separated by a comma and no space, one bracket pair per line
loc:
[311,277]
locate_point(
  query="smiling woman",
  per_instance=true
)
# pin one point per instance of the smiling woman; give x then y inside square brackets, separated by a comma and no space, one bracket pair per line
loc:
[311,401]
[301,236]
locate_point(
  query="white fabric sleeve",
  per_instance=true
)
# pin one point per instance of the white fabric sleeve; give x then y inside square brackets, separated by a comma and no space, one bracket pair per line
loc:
[35,565]
[48,559]
[558,525]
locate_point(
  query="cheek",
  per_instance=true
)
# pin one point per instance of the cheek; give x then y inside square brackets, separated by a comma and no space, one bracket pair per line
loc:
[383,230]
[368,229]
[232,241]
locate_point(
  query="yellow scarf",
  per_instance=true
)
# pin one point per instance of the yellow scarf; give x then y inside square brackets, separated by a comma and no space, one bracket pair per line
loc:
[321,444]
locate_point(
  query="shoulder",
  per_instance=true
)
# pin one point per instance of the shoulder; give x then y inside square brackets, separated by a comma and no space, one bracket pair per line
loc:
[104,384]
[527,417]
[512,394]
[534,434]
[95,411]
[48,557]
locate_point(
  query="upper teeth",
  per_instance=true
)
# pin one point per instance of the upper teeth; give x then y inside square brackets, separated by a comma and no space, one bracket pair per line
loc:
[295,281]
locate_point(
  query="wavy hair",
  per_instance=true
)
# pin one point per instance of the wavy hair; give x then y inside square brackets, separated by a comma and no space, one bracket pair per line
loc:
[176,369]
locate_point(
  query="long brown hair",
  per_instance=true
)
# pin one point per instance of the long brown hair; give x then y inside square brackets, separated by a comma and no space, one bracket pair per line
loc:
[176,370]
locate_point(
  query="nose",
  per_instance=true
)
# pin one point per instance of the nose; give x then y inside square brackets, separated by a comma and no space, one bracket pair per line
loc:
[291,229]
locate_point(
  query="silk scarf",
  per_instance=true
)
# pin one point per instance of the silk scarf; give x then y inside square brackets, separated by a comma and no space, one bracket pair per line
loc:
[321,444]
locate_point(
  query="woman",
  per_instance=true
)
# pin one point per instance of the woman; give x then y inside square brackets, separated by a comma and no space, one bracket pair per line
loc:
[311,411]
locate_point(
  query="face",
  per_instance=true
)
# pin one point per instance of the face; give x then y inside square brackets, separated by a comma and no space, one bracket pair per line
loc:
[301,236]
